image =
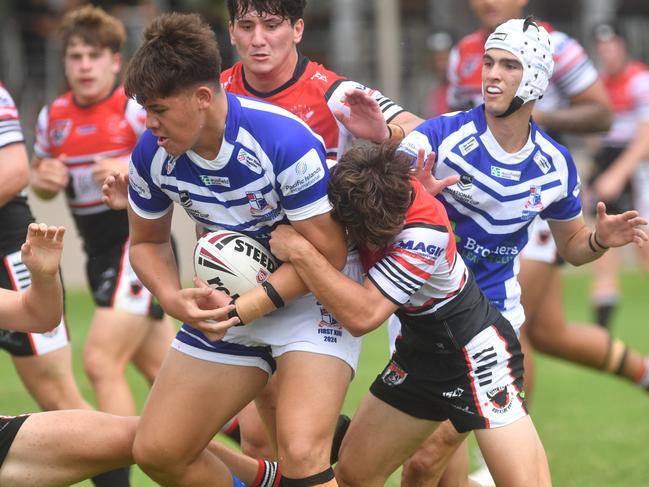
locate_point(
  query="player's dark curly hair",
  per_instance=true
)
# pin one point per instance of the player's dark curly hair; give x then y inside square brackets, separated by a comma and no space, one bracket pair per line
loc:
[93,26]
[370,191]
[178,52]
[287,9]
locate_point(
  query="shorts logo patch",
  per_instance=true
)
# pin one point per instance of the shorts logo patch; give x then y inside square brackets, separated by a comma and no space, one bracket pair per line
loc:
[393,375]
[500,399]
[457,392]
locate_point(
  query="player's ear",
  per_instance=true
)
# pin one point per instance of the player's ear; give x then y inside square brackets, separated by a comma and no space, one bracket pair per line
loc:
[298,30]
[204,96]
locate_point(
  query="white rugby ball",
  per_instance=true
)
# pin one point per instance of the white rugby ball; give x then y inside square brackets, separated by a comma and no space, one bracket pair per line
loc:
[232,262]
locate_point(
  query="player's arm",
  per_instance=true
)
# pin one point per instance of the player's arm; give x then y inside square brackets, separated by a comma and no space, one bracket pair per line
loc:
[359,307]
[610,183]
[589,111]
[326,237]
[579,245]
[40,307]
[14,171]
[48,176]
[153,260]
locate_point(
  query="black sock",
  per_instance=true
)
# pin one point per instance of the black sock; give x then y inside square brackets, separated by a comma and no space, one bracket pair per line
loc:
[604,313]
[114,478]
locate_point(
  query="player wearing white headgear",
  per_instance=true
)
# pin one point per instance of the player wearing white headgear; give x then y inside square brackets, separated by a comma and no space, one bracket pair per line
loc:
[511,171]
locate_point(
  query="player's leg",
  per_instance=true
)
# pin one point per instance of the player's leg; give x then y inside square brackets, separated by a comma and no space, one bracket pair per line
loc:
[257,424]
[457,470]
[192,399]
[64,447]
[112,341]
[515,455]
[154,347]
[379,439]
[50,380]
[311,389]
[606,287]
[586,345]
[427,466]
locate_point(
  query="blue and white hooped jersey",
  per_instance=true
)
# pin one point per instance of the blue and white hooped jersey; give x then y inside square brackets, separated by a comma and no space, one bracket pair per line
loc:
[498,195]
[271,166]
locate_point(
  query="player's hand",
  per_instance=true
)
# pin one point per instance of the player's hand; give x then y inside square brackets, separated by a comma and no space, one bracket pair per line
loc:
[41,252]
[609,185]
[105,166]
[115,191]
[365,119]
[423,171]
[185,305]
[50,175]
[619,230]
[213,329]
[285,240]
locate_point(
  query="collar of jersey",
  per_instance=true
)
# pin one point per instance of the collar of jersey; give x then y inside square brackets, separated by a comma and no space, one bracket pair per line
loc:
[300,67]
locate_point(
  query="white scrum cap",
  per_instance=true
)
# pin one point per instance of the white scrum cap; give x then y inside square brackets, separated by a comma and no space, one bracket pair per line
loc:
[531,44]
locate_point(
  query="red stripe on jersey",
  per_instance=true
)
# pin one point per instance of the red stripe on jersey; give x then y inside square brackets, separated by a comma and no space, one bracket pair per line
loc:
[418,271]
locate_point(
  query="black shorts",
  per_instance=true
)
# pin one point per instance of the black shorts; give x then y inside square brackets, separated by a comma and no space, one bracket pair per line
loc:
[603,160]
[477,384]
[9,426]
[15,276]
[114,284]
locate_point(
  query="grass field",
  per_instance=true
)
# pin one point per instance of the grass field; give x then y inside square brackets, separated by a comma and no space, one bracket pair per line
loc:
[595,428]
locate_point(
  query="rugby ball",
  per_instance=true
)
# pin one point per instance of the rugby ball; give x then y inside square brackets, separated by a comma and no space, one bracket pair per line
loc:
[232,262]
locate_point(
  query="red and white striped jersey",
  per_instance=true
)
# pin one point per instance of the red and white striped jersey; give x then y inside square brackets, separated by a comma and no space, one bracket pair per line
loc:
[313,93]
[421,270]
[573,71]
[10,131]
[109,128]
[629,95]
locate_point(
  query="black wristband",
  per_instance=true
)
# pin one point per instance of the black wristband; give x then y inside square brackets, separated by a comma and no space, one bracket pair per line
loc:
[234,314]
[597,241]
[273,294]
[590,243]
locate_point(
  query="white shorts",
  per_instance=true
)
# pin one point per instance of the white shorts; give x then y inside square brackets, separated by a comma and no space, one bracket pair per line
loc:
[16,276]
[541,246]
[303,325]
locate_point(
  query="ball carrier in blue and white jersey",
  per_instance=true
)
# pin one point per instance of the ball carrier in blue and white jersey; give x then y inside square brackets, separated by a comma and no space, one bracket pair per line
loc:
[244,165]
[510,171]
[257,180]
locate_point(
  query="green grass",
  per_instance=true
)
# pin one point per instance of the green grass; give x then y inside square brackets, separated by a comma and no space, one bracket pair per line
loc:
[595,428]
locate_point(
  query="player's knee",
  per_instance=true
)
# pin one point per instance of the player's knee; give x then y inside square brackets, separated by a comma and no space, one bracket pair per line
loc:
[99,365]
[420,465]
[152,459]
[350,475]
[301,457]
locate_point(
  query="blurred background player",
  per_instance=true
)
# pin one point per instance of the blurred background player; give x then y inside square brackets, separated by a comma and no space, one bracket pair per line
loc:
[621,164]
[439,44]
[43,360]
[82,137]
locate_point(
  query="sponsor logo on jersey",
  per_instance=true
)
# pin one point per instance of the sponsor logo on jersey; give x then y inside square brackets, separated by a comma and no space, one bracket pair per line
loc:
[86,129]
[466,182]
[304,112]
[472,251]
[503,173]
[533,205]
[542,162]
[420,247]
[60,131]
[185,198]
[247,159]
[306,172]
[468,145]
[393,375]
[215,180]
[138,184]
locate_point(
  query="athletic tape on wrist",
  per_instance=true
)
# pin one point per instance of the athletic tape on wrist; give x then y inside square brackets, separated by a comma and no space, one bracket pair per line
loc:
[234,313]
